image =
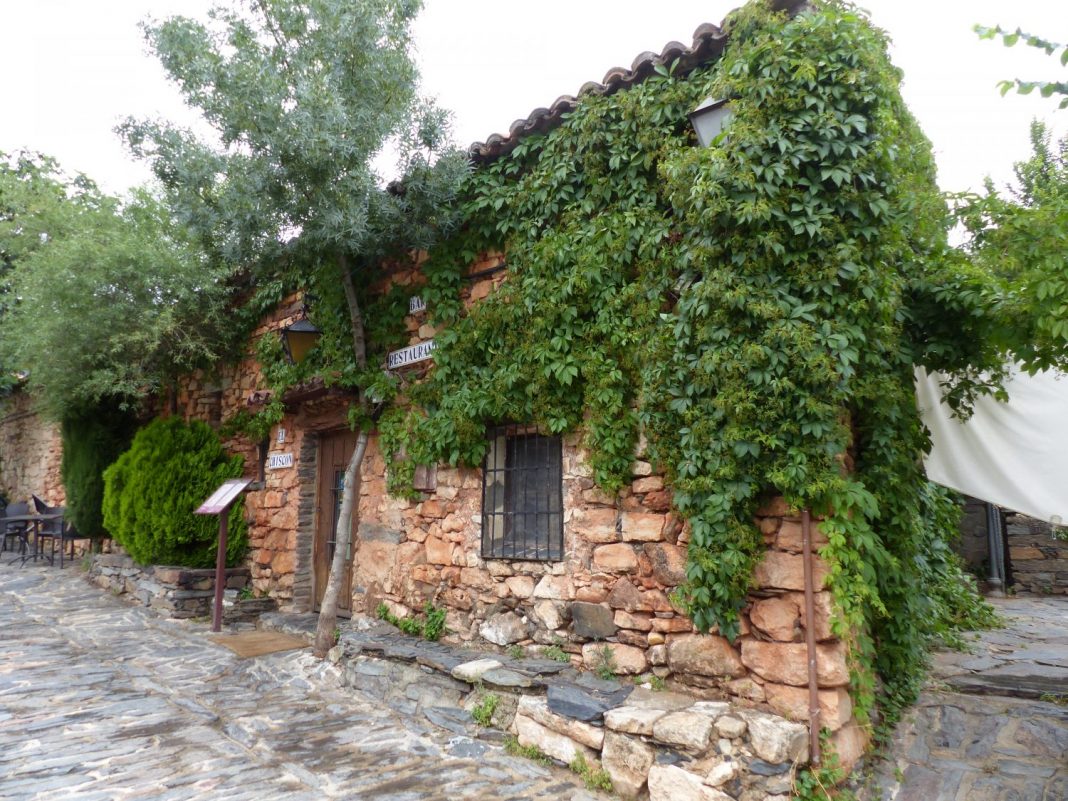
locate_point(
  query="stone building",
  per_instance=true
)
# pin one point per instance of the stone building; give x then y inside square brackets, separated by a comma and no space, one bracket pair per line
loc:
[594,579]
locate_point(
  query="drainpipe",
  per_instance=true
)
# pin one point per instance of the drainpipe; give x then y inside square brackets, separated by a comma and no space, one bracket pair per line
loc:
[810,641]
[995,547]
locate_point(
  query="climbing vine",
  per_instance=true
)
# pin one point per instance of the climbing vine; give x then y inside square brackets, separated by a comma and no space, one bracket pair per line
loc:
[755,308]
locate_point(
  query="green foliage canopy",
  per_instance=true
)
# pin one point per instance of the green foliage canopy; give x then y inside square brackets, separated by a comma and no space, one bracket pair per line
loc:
[150,493]
[302,95]
[756,308]
[1019,236]
[111,299]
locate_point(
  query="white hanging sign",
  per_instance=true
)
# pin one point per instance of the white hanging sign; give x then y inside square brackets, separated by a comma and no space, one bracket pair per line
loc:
[276,461]
[419,352]
[416,304]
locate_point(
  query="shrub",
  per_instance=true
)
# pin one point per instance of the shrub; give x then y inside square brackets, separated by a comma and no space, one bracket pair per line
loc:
[150,493]
[92,440]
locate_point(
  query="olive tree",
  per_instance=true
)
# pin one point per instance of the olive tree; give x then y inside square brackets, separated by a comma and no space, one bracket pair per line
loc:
[301,96]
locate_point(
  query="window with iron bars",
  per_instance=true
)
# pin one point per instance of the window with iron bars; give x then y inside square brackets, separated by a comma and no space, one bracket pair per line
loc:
[522,496]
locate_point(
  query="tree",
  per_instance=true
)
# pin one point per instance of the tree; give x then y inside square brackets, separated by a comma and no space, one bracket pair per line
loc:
[1045,88]
[114,298]
[1020,238]
[37,203]
[302,95]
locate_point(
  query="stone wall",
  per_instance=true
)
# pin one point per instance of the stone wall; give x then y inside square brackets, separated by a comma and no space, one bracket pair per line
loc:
[31,452]
[1036,553]
[177,592]
[1039,559]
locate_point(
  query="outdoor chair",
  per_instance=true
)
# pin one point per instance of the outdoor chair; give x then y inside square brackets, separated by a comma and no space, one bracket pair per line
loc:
[14,530]
[54,530]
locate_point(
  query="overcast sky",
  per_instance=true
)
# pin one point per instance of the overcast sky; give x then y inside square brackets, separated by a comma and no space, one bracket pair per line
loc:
[74,68]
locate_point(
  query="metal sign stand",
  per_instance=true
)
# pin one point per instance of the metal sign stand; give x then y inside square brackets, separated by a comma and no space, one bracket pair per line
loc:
[219,503]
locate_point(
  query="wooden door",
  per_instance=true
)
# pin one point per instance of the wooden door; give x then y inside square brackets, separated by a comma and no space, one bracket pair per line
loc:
[335,450]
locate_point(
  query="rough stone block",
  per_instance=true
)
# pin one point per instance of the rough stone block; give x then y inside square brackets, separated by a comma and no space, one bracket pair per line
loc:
[668,563]
[504,629]
[633,719]
[558,746]
[779,618]
[705,655]
[627,761]
[615,558]
[787,663]
[626,659]
[785,571]
[592,621]
[672,783]
[642,526]
[836,707]
[774,739]
[684,729]
[596,525]
[537,708]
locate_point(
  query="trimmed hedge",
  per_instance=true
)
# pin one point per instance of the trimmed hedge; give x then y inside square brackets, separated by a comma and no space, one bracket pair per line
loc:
[152,489]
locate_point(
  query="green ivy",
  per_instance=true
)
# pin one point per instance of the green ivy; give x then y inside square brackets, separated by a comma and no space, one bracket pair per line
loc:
[756,308]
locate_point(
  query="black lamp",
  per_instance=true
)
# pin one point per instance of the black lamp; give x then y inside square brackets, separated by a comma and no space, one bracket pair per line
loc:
[299,337]
[709,119]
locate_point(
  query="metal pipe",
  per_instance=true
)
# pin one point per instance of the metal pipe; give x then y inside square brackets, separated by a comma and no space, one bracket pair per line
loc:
[996,577]
[810,641]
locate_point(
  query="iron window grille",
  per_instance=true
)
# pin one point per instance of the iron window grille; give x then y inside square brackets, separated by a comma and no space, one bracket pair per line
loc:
[522,496]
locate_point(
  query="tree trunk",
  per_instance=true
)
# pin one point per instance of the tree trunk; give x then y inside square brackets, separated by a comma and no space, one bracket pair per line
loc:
[324,631]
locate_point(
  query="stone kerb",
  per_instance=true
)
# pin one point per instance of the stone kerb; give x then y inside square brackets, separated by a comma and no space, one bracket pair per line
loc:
[663,745]
[176,592]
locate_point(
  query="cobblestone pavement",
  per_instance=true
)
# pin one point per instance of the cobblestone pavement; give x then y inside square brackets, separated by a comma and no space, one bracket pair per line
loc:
[100,700]
[1000,737]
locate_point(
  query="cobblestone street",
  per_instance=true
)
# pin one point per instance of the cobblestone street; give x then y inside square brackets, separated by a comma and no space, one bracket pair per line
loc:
[1001,736]
[99,700]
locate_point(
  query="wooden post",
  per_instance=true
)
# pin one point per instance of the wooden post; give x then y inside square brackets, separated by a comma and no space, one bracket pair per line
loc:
[219,504]
[220,572]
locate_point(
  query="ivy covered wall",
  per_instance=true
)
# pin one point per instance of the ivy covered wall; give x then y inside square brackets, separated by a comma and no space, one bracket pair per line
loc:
[754,309]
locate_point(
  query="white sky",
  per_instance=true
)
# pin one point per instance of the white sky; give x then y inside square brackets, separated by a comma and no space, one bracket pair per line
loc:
[74,68]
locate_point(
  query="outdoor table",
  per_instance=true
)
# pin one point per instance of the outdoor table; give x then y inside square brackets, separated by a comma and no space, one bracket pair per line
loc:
[35,527]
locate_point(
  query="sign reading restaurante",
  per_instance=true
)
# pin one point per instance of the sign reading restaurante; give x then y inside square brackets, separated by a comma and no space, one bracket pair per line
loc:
[419,352]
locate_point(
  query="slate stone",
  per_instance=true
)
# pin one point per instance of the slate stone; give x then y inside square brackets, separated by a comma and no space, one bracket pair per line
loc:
[542,667]
[762,768]
[591,682]
[666,756]
[465,748]
[1021,679]
[592,621]
[502,677]
[450,718]
[574,702]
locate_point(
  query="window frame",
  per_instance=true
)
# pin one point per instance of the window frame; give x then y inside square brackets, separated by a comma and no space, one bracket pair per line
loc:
[506,533]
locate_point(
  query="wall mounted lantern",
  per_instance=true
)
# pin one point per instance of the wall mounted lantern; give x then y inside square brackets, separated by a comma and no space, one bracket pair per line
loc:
[709,119]
[299,337]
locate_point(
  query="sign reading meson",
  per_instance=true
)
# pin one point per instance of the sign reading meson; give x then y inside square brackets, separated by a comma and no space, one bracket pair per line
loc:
[277,461]
[419,352]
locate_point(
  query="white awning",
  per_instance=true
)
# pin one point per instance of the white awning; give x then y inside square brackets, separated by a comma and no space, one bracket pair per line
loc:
[1014,454]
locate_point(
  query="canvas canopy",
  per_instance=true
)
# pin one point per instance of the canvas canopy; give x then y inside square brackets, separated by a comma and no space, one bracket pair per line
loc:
[1013,454]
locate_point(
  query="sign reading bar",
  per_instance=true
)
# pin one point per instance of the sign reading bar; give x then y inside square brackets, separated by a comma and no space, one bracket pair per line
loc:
[410,355]
[416,304]
[279,460]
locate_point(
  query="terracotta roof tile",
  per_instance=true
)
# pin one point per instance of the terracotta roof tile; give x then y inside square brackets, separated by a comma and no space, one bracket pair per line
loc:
[708,42]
